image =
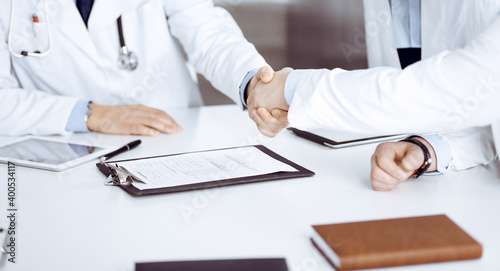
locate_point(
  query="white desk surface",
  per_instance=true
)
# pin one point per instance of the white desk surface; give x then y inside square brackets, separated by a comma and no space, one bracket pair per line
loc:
[71,221]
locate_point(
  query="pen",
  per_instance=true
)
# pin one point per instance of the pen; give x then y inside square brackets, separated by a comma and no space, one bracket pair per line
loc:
[123,149]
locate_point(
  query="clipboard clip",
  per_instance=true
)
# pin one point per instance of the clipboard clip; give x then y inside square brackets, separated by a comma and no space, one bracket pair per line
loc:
[119,176]
[3,239]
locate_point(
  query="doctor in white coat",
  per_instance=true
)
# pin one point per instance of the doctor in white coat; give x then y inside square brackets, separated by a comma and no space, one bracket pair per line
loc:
[50,94]
[455,86]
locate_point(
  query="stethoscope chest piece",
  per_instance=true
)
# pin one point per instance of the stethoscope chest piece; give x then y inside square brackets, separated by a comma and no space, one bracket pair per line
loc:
[127,60]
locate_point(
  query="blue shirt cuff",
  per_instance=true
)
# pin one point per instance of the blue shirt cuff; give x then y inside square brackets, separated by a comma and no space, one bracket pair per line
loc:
[291,85]
[441,149]
[76,120]
[244,84]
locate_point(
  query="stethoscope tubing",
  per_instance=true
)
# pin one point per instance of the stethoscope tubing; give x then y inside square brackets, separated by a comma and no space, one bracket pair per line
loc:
[120,31]
[26,53]
[127,59]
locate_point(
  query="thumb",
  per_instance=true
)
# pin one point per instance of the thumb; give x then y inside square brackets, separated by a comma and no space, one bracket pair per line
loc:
[265,74]
[413,159]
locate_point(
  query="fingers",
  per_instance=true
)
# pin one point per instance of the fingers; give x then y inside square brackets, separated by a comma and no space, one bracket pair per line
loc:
[380,179]
[268,124]
[386,158]
[413,159]
[132,120]
[280,114]
[386,172]
[393,163]
[143,130]
[160,121]
[264,75]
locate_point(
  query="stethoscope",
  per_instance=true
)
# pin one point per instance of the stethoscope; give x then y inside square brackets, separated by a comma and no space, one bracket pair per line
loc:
[127,59]
[35,20]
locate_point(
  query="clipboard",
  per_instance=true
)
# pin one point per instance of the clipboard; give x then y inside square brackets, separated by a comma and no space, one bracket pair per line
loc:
[125,180]
[262,264]
[326,140]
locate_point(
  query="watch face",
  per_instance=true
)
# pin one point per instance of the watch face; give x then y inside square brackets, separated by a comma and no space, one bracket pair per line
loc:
[89,109]
[88,112]
[428,162]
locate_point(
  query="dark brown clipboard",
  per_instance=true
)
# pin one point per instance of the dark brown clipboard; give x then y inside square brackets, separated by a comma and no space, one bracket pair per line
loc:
[252,264]
[134,191]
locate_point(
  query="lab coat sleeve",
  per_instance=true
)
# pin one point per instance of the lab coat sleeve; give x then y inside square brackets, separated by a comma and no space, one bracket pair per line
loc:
[213,43]
[470,147]
[449,91]
[28,111]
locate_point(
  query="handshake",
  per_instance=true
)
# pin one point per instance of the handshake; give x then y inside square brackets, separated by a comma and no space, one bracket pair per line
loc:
[266,102]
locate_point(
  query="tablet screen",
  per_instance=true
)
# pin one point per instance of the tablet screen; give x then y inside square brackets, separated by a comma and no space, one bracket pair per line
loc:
[47,152]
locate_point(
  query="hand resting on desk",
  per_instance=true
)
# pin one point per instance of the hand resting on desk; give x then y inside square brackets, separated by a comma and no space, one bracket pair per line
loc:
[395,162]
[131,120]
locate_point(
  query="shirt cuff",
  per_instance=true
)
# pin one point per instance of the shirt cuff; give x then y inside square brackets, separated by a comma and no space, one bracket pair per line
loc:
[291,85]
[441,149]
[76,120]
[244,84]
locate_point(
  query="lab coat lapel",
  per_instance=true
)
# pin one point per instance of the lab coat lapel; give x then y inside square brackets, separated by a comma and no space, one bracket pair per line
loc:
[105,12]
[433,27]
[67,20]
[379,36]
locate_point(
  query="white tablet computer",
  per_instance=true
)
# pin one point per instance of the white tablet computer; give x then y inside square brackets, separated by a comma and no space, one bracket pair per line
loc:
[49,154]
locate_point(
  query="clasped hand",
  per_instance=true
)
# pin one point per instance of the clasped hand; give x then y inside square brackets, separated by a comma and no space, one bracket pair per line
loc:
[391,163]
[266,102]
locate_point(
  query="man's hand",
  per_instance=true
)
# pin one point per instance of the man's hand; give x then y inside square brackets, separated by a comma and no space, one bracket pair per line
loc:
[131,120]
[264,75]
[270,123]
[269,95]
[266,102]
[395,162]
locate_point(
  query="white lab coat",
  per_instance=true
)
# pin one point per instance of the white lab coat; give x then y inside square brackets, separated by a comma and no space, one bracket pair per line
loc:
[38,94]
[455,86]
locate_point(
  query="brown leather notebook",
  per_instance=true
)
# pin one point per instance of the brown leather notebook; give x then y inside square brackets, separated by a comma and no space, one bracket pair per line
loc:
[394,242]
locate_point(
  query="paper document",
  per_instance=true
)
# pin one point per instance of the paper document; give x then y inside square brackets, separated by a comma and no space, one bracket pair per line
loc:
[198,167]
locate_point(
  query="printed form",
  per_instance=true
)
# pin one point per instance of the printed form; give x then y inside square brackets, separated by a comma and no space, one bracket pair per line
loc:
[198,167]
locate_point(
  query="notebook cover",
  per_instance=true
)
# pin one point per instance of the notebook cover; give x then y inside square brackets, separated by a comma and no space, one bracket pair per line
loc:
[271,264]
[302,172]
[396,242]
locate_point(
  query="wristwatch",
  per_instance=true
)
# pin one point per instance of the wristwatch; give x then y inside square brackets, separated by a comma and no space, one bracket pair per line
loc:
[88,112]
[427,156]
